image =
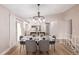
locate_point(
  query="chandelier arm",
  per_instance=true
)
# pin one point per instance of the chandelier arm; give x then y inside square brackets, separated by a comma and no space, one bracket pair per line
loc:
[38,7]
[38,10]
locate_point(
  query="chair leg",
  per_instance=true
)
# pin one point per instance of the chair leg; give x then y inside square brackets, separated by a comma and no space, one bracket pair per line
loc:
[47,52]
[40,52]
[20,49]
[27,52]
[23,46]
[54,49]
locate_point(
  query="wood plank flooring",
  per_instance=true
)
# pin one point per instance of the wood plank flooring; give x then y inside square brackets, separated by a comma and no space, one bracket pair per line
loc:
[59,50]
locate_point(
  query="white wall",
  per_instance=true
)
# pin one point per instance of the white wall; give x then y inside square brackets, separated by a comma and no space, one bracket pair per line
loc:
[60,28]
[7,30]
[4,29]
[73,14]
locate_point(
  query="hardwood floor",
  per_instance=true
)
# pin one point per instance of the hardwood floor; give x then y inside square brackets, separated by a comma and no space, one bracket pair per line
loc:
[59,50]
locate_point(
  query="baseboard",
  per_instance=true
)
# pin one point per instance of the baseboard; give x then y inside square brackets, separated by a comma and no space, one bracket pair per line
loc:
[7,50]
[4,52]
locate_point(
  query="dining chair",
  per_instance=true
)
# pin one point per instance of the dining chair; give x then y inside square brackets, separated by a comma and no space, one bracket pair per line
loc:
[44,46]
[31,46]
[52,41]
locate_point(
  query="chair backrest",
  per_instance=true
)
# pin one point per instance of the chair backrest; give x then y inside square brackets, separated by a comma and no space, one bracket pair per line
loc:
[31,45]
[20,37]
[44,45]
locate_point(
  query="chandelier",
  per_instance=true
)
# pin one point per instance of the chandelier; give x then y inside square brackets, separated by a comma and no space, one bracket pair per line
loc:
[39,18]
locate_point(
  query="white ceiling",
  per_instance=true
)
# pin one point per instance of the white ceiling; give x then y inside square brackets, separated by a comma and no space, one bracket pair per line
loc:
[30,10]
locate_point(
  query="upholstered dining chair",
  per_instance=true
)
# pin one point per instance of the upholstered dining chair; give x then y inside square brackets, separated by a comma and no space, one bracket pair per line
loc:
[31,46]
[44,46]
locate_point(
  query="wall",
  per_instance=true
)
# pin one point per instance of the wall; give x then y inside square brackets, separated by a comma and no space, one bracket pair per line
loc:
[4,29]
[7,30]
[73,14]
[58,26]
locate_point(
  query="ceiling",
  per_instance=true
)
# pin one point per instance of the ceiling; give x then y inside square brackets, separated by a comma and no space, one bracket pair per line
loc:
[30,10]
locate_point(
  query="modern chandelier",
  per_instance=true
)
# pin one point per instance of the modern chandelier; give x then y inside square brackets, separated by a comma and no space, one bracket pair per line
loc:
[39,18]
